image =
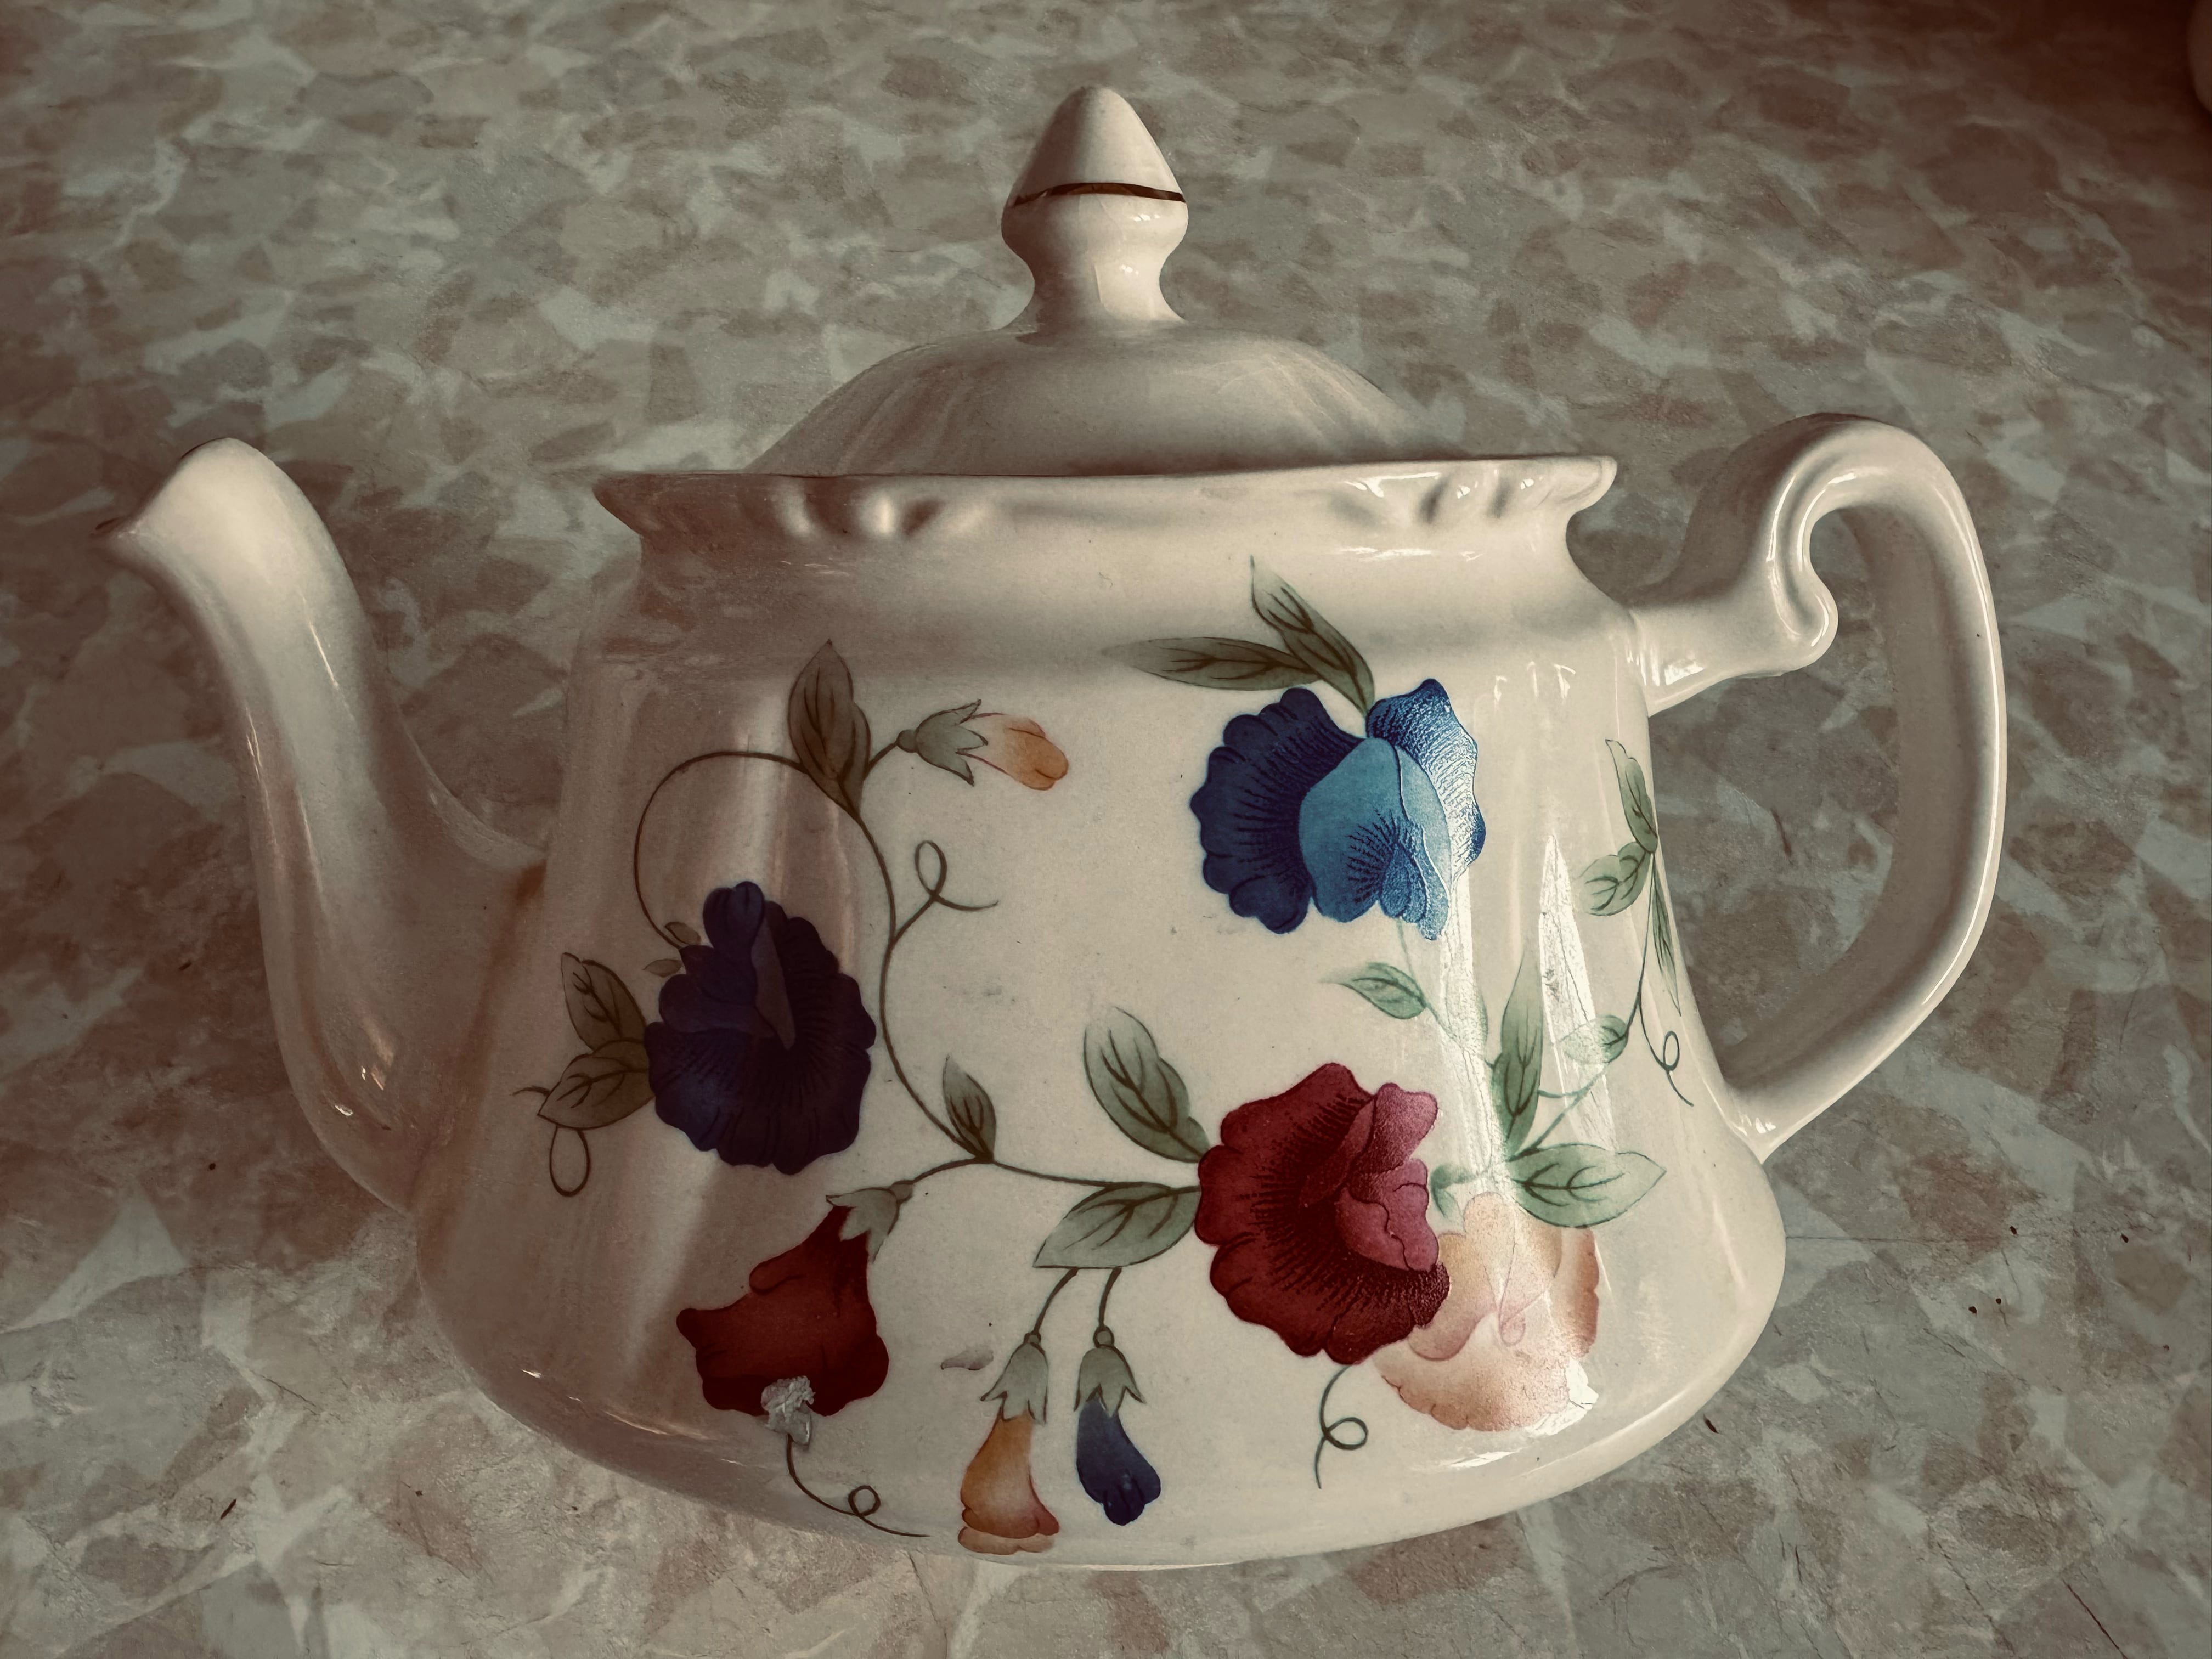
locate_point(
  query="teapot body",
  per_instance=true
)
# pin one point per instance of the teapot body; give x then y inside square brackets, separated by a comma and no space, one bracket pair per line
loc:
[1105,1022]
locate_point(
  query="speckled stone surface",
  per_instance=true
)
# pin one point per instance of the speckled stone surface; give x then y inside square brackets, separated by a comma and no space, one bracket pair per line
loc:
[448,261]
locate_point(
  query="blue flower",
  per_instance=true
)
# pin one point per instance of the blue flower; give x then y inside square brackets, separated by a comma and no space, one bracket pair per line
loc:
[1107,1462]
[1296,810]
[761,1051]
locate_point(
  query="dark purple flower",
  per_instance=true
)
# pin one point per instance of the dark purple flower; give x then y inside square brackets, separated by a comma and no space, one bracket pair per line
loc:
[1113,1473]
[1248,809]
[761,1051]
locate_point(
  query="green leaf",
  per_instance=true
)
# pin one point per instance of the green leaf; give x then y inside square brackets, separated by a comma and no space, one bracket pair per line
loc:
[944,742]
[1662,939]
[1610,884]
[1442,1180]
[1120,1226]
[1514,1080]
[1577,1185]
[1599,1043]
[1222,664]
[600,1088]
[1142,1093]
[968,1107]
[682,932]
[1635,799]
[1393,990]
[600,1006]
[828,732]
[1311,638]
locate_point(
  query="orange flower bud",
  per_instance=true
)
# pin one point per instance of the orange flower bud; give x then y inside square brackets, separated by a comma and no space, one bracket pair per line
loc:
[1000,1511]
[1018,748]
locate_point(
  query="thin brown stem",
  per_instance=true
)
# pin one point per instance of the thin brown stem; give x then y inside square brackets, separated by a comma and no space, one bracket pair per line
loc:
[939,1168]
[1092,1181]
[584,1141]
[637,839]
[1036,1325]
[1335,1431]
[884,981]
[1047,1175]
[1643,1021]
[861,1502]
[1111,1279]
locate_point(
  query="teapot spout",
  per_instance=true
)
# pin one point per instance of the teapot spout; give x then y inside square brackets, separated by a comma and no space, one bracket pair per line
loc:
[386,907]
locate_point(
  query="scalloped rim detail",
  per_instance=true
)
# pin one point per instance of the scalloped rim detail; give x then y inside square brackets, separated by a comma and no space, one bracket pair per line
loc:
[702,510]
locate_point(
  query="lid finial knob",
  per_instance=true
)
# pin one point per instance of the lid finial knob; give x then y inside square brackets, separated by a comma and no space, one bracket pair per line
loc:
[1093,216]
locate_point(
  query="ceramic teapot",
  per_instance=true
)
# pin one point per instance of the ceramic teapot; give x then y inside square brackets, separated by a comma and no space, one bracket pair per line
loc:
[1103,992]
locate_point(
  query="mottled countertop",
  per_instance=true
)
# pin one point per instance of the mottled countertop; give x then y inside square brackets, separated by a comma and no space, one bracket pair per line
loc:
[447,259]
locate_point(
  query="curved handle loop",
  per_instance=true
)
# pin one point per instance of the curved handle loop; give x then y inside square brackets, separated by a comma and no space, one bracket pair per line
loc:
[1745,600]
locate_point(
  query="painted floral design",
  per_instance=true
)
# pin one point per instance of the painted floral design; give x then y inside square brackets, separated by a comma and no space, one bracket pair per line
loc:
[1248,811]
[1010,744]
[761,1051]
[805,1313]
[1318,1214]
[762,1054]
[1523,1308]
[1472,1291]
[1020,748]
[1000,1513]
[1317,1205]
[1115,1475]
[1295,810]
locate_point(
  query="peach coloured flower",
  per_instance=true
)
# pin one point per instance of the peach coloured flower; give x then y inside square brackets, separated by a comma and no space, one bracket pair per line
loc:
[1018,748]
[1000,1510]
[1522,1309]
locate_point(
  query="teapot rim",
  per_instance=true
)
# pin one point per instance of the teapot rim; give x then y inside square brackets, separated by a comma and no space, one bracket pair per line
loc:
[692,507]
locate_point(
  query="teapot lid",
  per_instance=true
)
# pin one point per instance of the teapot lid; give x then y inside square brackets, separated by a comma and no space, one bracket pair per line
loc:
[1099,376]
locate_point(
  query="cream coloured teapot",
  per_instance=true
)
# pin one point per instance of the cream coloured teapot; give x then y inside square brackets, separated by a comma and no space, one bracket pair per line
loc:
[1104,990]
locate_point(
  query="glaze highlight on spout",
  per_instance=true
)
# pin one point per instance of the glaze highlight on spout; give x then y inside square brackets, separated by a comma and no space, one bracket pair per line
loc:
[385,906]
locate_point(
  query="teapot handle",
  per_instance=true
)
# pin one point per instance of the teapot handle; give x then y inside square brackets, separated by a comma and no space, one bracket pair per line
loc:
[1745,600]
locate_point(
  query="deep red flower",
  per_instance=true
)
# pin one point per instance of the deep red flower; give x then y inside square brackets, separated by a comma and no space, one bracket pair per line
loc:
[806,1313]
[1319,1214]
